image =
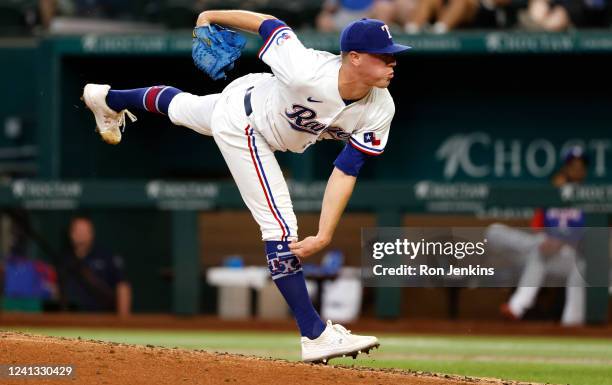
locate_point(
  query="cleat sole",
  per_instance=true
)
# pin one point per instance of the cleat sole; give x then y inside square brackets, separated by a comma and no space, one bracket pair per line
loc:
[353,354]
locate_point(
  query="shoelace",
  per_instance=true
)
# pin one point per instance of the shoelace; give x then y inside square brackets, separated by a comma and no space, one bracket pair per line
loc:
[122,121]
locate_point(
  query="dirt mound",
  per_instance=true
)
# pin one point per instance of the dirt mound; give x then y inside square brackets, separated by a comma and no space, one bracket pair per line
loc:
[98,362]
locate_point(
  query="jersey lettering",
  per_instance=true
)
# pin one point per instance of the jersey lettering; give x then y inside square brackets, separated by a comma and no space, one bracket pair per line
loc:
[302,119]
[337,133]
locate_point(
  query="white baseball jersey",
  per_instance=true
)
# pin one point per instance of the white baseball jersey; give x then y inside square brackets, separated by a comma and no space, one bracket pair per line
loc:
[301,103]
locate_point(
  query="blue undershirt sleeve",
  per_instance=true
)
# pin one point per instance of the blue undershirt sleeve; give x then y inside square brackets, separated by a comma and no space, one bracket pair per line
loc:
[268,26]
[350,160]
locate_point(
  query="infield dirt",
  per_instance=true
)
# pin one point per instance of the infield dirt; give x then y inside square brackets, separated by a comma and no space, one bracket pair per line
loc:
[99,362]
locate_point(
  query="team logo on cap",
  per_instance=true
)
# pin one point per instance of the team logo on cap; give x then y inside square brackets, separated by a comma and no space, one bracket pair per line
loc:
[386,29]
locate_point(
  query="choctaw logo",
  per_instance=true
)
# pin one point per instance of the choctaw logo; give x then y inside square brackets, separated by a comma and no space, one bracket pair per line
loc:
[302,118]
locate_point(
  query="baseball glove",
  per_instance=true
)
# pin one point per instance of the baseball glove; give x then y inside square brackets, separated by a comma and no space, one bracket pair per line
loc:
[215,49]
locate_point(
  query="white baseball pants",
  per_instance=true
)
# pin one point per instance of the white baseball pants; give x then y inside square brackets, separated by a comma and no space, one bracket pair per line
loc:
[564,264]
[248,156]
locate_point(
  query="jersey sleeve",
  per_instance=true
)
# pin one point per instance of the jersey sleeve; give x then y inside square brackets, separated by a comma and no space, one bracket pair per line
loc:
[350,160]
[565,224]
[283,51]
[372,138]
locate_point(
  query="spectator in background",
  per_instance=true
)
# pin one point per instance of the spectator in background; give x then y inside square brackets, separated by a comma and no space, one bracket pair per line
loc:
[336,14]
[574,169]
[102,16]
[544,15]
[76,8]
[552,250]
[495,14]
[559,15]
[93,278]
[446,15]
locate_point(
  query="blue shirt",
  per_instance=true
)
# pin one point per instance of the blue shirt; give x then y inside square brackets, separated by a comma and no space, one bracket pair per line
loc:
[90,282]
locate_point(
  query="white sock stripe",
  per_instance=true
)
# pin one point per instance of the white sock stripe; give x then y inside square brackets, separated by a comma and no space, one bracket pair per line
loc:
[282,275]
[157,99]
[144,98]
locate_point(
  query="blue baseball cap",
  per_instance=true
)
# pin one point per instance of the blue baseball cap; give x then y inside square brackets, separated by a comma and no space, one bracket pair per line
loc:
[370,36]
[574,152]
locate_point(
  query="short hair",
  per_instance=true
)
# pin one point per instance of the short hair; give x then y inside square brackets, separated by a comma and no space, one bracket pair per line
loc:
[80,217]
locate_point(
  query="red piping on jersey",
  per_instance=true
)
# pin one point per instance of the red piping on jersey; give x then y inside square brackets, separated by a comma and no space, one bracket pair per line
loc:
[269,38]
[246,132]
[363,150]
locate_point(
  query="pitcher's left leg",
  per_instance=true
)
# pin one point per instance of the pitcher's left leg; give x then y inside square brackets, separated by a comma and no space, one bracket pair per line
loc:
[264,190]
[110,107]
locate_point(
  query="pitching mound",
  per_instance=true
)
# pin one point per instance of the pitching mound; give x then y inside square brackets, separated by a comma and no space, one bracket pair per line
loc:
[98,362]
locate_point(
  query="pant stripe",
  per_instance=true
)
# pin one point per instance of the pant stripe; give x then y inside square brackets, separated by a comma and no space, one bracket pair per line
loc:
[265,178]
[261,182]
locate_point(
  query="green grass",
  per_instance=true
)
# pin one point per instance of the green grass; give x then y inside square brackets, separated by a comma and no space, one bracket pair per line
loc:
[576,361]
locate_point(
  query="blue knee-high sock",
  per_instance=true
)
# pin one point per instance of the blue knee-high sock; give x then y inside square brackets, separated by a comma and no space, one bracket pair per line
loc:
[152,99]
[286,272]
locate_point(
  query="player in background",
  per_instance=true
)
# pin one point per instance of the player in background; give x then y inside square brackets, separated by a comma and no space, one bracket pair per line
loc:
[311,95]
[552,250]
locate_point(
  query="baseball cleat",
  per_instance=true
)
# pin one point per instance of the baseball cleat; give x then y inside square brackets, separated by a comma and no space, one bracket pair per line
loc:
[336,341]
[109,123]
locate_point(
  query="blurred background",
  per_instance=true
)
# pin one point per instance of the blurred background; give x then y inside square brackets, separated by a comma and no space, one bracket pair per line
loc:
[490,106]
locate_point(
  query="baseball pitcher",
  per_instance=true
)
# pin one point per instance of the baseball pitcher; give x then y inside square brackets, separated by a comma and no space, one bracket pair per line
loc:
[309,96]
